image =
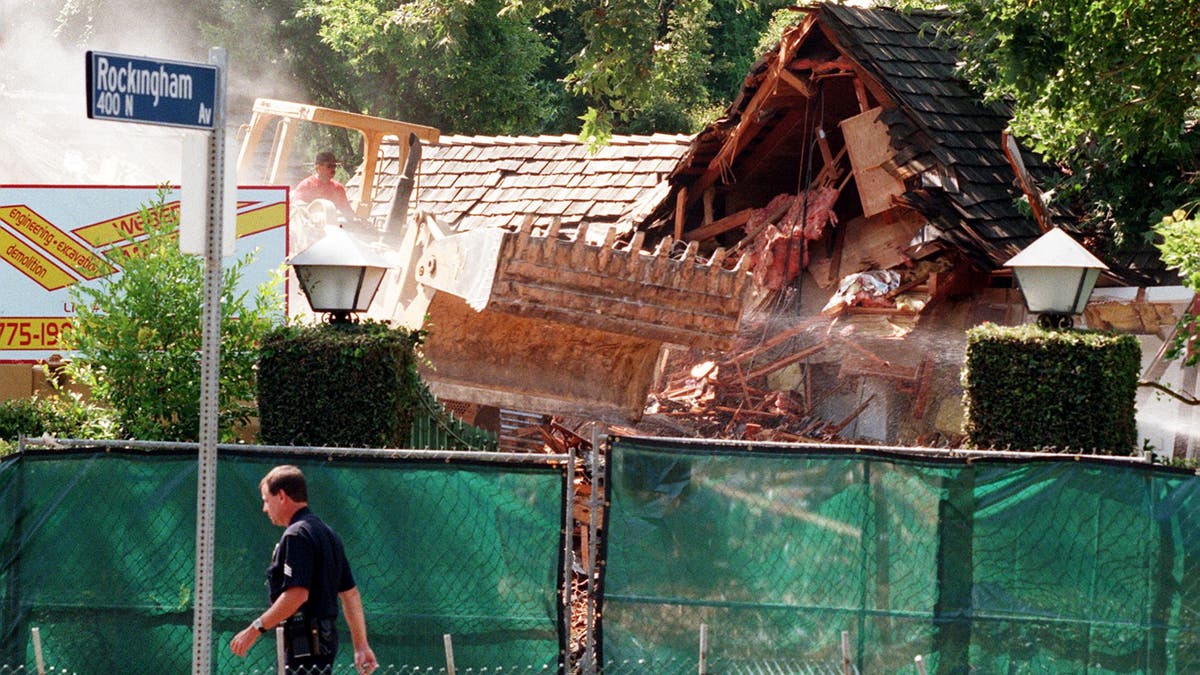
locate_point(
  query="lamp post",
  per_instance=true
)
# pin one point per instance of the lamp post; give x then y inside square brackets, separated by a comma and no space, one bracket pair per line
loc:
[338,275]
[1056,275]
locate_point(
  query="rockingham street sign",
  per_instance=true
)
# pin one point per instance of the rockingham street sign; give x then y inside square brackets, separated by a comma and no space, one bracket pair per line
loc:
[132,89]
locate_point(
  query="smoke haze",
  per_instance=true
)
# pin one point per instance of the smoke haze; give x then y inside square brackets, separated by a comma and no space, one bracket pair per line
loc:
[44,128]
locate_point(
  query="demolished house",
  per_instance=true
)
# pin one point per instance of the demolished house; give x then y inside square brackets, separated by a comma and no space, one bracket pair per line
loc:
[877,199]
[803,269]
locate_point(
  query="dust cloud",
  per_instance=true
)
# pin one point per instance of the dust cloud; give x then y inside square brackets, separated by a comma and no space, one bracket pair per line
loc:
[44,129]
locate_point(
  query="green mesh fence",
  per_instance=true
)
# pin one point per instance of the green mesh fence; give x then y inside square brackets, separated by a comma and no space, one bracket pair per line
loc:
[98,551]
[986,566]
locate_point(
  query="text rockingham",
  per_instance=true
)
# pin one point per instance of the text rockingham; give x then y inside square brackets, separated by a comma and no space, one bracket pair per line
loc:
[129,79]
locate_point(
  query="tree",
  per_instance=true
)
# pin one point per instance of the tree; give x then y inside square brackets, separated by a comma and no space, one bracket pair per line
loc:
[137,335]
[509,66]
[1180,247]
[483,66]
[1109,89]
[660,66]
[456,65]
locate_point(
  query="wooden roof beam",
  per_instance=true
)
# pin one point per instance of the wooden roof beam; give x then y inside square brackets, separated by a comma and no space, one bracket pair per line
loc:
[795,82]
[847,62]
[742,134]
[782,131]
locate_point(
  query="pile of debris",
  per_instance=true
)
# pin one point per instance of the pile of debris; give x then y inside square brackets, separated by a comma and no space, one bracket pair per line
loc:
[731,397]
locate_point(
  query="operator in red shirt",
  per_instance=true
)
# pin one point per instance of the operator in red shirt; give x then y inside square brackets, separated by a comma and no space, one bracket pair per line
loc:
[321,185]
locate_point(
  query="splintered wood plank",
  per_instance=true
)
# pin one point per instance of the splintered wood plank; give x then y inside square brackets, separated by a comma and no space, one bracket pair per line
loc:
[719,226]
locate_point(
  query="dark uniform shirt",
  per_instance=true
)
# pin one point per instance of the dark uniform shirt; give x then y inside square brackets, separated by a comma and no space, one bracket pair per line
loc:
[310,555]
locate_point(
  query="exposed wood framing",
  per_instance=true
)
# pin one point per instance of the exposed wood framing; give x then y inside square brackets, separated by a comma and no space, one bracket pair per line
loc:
[1032,194]
[781,132]
[719,226]
[795,82]
[680,211]
[749,123]
[860,91]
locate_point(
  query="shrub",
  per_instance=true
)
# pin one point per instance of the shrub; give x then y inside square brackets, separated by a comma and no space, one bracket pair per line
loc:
[351,385]
[137,335]
[66,415]
[1028,388]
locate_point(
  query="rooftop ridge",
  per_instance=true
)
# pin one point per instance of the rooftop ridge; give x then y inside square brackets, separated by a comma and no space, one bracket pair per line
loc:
[564,139]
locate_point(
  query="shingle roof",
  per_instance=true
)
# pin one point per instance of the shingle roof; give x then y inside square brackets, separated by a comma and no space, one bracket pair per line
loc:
[946,140]
[499,181]
[940,116]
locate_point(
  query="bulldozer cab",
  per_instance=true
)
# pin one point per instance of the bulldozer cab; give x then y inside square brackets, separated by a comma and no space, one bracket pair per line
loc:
[284,119]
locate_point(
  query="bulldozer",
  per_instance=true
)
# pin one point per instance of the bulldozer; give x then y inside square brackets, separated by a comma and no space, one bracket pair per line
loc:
[545,319]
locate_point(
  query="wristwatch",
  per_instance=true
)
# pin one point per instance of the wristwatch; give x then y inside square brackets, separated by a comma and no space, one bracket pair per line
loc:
[258,625]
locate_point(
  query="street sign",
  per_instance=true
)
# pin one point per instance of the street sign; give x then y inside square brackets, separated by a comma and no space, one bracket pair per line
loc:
[132,89]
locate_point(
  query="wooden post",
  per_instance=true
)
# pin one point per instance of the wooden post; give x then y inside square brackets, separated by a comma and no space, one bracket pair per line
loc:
[920,664]
[845,652]
[568,557]
[595,503]
[680,211]
[37,651]
[703,648]
[449,654]
[280,655]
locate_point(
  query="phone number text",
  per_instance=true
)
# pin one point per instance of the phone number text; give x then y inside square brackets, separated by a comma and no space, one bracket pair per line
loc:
[32,333]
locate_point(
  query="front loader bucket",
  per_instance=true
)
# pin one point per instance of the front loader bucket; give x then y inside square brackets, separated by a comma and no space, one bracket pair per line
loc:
[565,327]
[526,363]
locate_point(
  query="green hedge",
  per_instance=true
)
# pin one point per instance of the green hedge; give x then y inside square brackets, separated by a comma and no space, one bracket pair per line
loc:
[1027,388]
[348,385]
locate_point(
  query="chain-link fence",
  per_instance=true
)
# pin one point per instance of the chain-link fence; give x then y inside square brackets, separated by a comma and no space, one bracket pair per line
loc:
[679,557]
[99,545]
[980,565]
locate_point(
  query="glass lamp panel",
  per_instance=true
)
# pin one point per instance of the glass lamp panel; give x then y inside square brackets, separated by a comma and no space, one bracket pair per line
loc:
[372,277]
[1090,276]
[1052,290]
[330,288]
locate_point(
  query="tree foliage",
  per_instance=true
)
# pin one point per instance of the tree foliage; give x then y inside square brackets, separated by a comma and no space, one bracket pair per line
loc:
[673,64]
[137,335]
[472,67]
[460,66]
[1180,247]
[1110,89]
[507,66]
[1104,77]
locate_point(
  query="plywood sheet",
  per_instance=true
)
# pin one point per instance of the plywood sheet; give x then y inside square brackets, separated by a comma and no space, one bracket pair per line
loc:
[868,147]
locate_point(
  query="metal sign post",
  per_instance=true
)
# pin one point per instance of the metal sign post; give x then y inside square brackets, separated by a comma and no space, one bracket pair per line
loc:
[190,95]
[210,361]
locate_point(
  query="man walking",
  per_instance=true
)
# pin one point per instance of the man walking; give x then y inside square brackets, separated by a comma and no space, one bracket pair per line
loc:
[309,573]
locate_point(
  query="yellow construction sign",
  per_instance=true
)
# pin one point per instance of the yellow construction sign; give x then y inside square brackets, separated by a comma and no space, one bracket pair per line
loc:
[55,237]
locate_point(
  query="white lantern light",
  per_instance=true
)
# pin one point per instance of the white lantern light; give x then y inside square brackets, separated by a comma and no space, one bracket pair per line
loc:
[338,275]
[1056,275]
